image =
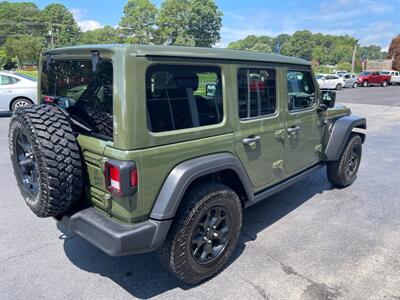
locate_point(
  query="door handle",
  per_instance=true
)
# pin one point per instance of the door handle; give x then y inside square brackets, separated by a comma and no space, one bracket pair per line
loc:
[293,129]
[251,140]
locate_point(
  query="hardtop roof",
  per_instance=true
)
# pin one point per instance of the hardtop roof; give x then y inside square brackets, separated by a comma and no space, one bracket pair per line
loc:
[188,52]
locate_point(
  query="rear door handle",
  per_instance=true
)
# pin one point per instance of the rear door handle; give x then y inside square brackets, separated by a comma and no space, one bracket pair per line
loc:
[251,140]
[293,129]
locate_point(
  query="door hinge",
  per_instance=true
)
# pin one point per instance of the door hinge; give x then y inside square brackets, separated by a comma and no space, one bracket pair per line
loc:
[280,134]
[318,148]
[278,164]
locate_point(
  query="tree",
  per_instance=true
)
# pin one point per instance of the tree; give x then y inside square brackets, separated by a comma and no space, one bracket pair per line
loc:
[25,48]
[18,19]
[172,23]
[138,21]
[344,66]
[279,41]
[251,42]
[301,45]
[394,52]
[105,35]
[61,24]
[204,22]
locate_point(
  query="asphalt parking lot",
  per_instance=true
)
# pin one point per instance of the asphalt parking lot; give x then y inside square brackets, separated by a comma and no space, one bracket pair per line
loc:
[310,241]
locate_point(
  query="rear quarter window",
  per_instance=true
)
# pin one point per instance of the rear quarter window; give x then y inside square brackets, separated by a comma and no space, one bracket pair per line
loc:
[180,97]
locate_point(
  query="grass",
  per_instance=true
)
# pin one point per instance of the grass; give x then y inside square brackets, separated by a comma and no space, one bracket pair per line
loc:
[31,74]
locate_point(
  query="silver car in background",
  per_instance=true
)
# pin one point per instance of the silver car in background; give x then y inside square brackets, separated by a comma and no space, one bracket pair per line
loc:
[16,91]
[350,80]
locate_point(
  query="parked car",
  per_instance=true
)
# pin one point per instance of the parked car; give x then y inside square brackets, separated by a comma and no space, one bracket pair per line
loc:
[368,78]
[340,73]
[16,91]
[350,80]
[329,81]
[157,153]
[394,76]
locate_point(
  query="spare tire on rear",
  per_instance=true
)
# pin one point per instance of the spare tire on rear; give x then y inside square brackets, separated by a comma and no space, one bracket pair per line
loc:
[46,159]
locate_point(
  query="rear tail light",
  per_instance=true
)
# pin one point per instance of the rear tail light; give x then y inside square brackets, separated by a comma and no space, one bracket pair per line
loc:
[49,99]
[121,178]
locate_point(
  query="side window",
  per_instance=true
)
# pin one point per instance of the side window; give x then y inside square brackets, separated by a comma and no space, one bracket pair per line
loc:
[301,91]
[179,97]
[257,92]
[4,80]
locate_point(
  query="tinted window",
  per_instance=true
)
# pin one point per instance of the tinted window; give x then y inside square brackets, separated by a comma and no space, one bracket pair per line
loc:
[181,97]
[301,91]
[257,92]
[7,80]
[87,96]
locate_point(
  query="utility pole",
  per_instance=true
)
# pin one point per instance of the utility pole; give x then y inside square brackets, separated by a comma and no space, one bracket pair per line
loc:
[353,59]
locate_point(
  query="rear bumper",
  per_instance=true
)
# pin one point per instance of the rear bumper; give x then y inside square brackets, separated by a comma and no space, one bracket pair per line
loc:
[114,238]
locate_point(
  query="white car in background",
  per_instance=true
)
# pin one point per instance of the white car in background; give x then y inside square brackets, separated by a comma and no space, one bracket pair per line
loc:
[329,81]
[16,91]
[394,76]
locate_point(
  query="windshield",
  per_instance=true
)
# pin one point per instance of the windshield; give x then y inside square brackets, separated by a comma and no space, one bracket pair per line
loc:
[384,72]
[87,96]
[319,76]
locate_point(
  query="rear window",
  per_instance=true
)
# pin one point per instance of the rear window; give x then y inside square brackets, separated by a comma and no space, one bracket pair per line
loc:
[180,97]
[86,95]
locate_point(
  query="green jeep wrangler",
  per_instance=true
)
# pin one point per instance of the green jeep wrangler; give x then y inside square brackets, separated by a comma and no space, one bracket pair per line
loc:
[140,148]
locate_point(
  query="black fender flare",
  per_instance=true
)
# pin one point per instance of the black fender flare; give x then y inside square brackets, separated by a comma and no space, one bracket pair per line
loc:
[179,179]
[340,132]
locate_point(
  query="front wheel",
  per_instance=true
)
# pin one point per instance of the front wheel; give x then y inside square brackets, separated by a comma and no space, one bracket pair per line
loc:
[385,83]
[338,86]
[365,83]
[20,102]
[355,85]
[343,171]
[204,233]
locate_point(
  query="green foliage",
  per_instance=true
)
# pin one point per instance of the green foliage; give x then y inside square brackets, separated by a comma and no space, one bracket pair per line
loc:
[138,21]
[172,23]
[394,52]
[3,57]
[301,44]
[61,23]
[105,35]
[25,48]
[204,22]
[262,43]
[344,66]
[19,19]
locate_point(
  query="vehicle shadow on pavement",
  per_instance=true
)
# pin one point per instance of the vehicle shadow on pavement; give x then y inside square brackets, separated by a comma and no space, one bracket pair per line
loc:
[144,277]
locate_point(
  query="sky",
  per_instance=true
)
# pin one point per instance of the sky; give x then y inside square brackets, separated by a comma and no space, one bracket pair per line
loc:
[370,21]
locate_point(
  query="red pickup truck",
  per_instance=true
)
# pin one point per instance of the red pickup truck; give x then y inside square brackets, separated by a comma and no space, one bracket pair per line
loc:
[367,78]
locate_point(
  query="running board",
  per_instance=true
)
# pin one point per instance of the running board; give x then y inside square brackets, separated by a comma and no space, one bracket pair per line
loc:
[283,185]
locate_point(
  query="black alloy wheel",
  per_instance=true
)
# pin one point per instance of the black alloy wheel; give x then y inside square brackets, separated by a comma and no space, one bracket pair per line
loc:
[27,165]
[210,235]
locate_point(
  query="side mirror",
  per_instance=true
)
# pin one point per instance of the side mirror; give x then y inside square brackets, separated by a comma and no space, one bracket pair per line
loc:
[328,98]
[211,88]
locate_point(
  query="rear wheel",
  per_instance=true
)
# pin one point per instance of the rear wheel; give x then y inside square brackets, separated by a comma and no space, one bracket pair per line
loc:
[385,83]
[355,85]
[338,86]
[343,172]
[204,233]
[20,102]
[46,159]
[365,83]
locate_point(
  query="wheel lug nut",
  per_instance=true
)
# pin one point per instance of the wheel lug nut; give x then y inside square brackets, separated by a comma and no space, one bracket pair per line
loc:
[215,234]
[205,238]
[214,227]
[209,241]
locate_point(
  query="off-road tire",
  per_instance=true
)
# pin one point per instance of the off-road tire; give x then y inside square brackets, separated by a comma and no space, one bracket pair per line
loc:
[338,170]
[175,254]
[57,155]
[338,87]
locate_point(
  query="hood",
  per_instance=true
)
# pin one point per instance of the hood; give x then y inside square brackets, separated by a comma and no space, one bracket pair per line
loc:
[338,111]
